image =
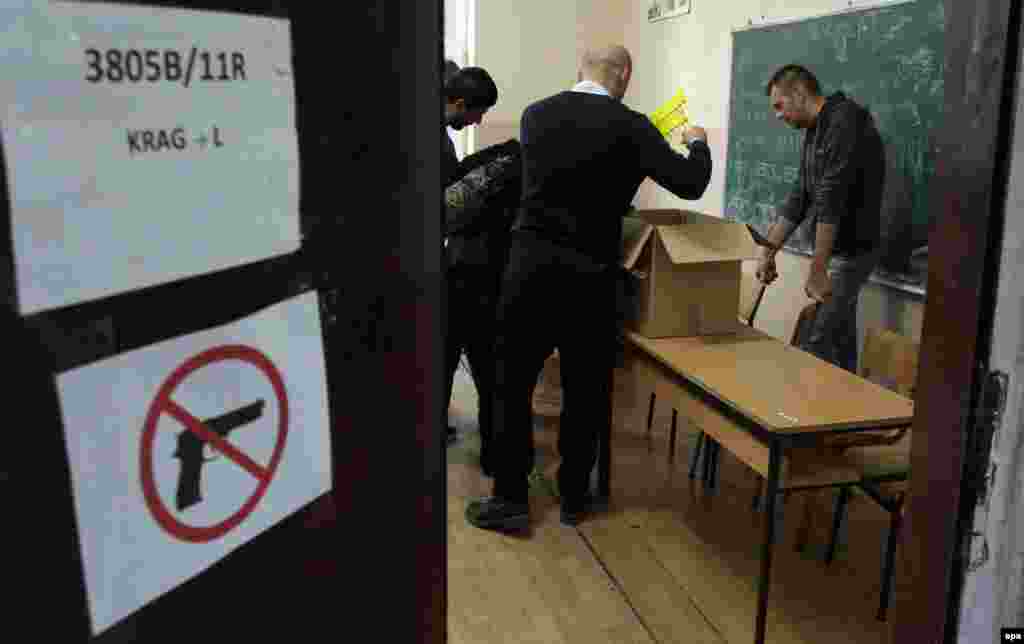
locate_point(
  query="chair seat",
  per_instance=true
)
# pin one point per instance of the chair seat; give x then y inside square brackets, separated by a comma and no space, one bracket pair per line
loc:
[816,467]
[865,439]
[882,461]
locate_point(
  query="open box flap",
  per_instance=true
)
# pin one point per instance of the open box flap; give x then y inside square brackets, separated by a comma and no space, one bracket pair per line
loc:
[707,241]
[635,233]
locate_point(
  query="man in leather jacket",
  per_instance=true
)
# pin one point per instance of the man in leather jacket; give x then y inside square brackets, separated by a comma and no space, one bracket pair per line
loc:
[839,188]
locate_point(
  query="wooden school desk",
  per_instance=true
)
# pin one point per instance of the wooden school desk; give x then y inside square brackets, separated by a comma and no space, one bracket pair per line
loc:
[749,384]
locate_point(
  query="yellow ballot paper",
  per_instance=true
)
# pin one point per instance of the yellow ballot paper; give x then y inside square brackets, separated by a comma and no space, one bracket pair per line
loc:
[671,115]
[671,122]
[674,103]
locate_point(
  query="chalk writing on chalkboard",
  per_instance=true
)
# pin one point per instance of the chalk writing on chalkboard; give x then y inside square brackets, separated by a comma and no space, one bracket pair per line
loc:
[889,59]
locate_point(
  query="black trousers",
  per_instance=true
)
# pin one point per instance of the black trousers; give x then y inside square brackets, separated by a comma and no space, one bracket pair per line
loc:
[552,297]
[471,302]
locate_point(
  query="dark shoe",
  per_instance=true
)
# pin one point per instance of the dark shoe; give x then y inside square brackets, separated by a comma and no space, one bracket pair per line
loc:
[452,435]
[573,512]
[495,513]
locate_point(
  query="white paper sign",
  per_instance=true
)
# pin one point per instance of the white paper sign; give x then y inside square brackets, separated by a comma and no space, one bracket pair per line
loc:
[143,145]
[183,451]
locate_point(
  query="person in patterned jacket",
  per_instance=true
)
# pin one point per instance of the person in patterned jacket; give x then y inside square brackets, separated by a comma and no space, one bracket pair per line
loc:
[479,209]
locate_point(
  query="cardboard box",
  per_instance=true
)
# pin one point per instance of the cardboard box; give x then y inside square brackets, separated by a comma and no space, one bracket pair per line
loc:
[689,266]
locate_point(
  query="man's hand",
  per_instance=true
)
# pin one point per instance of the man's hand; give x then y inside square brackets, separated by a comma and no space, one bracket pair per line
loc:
[694,133]
[819,284]
[766,269]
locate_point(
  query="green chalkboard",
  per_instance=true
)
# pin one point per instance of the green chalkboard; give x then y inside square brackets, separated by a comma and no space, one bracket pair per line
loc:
[890,59]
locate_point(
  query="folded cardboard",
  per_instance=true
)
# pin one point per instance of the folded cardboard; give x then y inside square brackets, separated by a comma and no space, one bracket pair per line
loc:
[687,266]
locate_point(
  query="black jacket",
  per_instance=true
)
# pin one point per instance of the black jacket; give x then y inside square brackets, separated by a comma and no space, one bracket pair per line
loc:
[842,176]
[584,156]
[479,206]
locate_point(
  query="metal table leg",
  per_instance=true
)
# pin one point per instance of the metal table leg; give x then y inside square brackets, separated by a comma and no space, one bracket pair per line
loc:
[774,462]
[695,457]
[650,416]
[604,468]
[672,438]
[715,454]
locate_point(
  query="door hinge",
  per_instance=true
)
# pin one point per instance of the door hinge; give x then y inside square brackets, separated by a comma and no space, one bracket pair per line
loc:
[976,554]
[992,404]
[981,469]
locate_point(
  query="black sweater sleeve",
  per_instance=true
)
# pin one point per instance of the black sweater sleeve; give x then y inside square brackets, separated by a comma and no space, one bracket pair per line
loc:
[685,177]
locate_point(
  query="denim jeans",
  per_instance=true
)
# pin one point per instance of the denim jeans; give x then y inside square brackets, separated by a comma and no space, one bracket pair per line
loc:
[833,334]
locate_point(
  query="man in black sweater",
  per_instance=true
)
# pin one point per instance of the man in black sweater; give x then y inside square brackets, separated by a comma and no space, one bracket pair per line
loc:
[584,156]
[839,188]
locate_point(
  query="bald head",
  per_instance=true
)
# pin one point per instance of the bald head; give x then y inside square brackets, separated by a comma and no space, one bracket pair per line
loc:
[603,57]
[610,66]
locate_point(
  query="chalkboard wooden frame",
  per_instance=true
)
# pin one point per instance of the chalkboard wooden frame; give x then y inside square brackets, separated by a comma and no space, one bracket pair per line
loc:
[878,4]
[906,210]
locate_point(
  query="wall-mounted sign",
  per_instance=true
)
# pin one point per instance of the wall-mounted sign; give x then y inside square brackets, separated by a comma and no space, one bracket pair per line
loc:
[143,145]
[183,451]
[665,9]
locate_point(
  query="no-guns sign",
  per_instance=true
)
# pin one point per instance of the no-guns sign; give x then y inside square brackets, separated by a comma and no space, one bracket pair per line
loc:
[185,450]
[195,435]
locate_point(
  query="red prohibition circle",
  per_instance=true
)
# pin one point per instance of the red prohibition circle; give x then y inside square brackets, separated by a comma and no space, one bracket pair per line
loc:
[163,404]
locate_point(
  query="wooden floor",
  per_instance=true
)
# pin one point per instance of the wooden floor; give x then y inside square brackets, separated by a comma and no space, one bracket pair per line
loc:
[665,564]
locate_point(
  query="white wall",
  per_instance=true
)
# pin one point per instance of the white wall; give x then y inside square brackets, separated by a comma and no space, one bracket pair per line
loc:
[531,48]
[458,45]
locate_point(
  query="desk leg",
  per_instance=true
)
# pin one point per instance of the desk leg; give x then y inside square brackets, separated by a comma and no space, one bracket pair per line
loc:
[774,462]
[604,468]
